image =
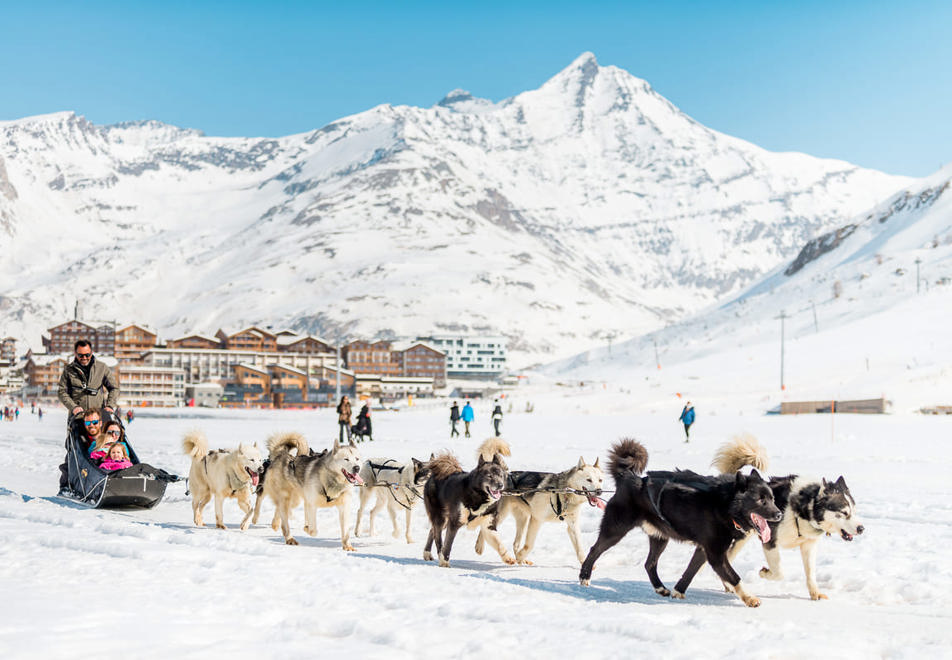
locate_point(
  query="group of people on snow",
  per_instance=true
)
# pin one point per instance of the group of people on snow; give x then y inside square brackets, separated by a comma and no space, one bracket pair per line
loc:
[362,429]
[468,416]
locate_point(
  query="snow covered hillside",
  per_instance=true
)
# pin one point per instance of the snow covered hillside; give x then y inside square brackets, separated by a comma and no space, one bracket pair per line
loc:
[858,324]
[588,207]
[149,584]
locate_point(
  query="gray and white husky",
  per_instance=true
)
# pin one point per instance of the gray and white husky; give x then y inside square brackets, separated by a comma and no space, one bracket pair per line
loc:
[811,509]
[548,497]
[397,486]
[318,480]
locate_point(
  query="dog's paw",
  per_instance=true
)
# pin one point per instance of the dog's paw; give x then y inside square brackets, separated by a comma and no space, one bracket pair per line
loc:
[291,541]
[677,594]
[220,526]
[751,601]
[396,533]
[309,531]
[348,547]
[427,556]
[509,559]
[768,574]
[584,582]
[410,539]
[816,595]
[526,562]
[444,563]
[662,591]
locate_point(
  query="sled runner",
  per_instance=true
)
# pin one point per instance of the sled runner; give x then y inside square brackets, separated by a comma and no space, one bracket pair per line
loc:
[138,486]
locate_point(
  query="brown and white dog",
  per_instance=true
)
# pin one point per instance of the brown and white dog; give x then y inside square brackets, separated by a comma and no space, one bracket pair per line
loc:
[455,498]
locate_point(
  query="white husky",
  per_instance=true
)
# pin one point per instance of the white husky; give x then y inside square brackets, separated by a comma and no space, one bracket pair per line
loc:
[548,497]
[397,486]
[221,474]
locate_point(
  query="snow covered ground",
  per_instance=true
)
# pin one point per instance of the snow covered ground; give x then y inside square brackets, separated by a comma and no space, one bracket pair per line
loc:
[149,584]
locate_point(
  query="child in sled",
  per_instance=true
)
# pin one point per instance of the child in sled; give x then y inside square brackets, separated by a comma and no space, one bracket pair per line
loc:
[116,458]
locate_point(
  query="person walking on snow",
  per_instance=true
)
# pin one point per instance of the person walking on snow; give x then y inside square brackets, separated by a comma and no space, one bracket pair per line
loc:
[687,418]
[497,416]
[343,418]
[454,419]
[468,417]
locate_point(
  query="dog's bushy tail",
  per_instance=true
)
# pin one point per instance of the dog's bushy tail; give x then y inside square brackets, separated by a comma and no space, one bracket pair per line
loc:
[195,444]
[282,443]
[739,451]
[627,457]
[493,447]
[444,465]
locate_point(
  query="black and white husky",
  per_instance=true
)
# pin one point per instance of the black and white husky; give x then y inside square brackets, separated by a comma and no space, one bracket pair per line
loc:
[811,509]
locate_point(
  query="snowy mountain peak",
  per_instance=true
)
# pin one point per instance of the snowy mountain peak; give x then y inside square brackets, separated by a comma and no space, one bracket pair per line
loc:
[459,100]
[587,206]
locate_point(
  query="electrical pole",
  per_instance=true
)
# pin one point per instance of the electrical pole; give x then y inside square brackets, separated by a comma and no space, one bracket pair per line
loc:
[782,317]
[918,261]
[337,380]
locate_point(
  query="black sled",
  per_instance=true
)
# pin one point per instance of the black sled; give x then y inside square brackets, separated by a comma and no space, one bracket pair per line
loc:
[141,485]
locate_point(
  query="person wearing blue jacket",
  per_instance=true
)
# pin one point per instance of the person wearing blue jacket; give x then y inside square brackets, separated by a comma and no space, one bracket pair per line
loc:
[468,416]
[687,418]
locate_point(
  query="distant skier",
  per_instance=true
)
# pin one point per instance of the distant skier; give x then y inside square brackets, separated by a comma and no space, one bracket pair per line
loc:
[497,416]
[454,419]
[468,416]
[687,418]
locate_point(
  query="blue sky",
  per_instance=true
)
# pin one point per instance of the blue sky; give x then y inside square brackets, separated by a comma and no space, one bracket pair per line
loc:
[869,82]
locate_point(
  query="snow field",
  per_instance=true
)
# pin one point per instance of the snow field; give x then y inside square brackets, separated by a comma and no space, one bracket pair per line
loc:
[80,581]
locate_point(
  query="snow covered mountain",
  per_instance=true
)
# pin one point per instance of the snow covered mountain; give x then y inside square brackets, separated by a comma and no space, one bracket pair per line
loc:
[587,208]
[866,311]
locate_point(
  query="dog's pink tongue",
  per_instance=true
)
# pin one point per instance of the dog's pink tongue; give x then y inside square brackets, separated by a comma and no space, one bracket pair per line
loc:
[762,527]
[596,501]
[354,478]
[254,478]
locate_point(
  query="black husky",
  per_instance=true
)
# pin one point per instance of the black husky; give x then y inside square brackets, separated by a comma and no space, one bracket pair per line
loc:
[455,498]
[709,511]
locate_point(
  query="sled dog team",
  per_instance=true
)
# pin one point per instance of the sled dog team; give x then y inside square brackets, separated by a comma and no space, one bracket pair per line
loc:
[718,514]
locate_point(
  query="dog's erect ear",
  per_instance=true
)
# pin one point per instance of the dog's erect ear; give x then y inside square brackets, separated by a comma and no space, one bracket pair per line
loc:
[595,464]
[241,446]
[480,461]
[351,443]
[416,464]
[497,460]
[826,484]
[581,462]
[755,475]
[841,484]
[432,455]
[255,445]
[740,481]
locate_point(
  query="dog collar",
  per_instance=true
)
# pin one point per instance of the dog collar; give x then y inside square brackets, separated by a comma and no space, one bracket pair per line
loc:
[736,526]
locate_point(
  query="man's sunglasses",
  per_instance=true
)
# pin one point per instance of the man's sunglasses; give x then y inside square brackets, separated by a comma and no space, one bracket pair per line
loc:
[84,355]
[92,423]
